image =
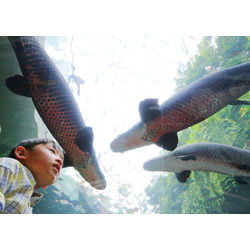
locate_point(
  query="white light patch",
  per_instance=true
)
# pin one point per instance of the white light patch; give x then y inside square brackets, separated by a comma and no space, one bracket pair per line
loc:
[118,73]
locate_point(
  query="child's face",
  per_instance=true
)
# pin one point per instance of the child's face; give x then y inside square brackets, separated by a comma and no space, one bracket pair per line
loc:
[45,163]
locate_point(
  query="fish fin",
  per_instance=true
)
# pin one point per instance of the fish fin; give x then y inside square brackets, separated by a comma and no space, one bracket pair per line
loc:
[66,162]
[168,141]
[149,109]
[185,157]
[183,176]
[240,180]
[239,102]
[84,140]
[244,167]
[18,85]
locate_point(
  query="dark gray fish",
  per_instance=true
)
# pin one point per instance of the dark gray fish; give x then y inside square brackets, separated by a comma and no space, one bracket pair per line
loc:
[209,157]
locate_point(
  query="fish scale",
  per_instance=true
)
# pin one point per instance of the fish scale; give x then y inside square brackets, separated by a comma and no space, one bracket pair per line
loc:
[68,118]
[229,158]
[209,156]
[51,116]
[193,104]
[186,113]
[203,156]
[56,105]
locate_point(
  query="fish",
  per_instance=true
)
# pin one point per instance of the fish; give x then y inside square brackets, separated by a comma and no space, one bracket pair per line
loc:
[196,102]
[55,103]
[203,156]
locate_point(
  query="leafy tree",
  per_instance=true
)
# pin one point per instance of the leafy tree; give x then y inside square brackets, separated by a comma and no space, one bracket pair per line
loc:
[207,192]
[232,50]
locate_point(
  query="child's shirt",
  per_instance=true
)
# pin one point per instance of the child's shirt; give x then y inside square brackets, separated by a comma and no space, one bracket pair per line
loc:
[16,188]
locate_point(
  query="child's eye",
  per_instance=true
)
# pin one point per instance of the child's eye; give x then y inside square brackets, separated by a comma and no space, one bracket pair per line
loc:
[53,150]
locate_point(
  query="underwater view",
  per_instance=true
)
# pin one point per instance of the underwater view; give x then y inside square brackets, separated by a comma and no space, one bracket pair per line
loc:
[148,126]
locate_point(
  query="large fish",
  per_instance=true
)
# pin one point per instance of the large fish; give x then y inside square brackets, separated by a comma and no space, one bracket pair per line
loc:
[56,105]
[193,104]
[209,157]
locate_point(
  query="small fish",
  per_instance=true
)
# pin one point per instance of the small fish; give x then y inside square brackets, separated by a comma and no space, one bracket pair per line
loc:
[55,103]
[160,123]
[204,156]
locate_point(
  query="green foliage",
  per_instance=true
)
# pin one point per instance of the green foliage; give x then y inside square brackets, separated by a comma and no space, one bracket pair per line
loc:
[164,194]
[205,192]
[232,50]
[213,54]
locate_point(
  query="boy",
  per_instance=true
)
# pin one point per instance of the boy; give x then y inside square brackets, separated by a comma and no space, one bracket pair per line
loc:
[32,164]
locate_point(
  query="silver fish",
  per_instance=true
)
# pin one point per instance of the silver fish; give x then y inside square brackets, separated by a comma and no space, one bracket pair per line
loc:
[209,157]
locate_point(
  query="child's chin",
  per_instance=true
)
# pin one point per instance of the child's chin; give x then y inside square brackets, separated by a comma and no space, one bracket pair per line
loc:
[50,182]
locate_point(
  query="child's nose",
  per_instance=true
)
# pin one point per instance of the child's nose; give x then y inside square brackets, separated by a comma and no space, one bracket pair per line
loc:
[59,160]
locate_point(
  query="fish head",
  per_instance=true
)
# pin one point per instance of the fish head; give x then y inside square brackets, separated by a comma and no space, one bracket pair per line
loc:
[92,174]
[84,160]
[131,139]
[163,163]
[175,161]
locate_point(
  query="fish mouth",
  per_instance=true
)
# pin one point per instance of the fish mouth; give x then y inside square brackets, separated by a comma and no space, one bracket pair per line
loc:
[131,139]
[95,181]
[151,166]
[100,184]
[157,164]
[92,174]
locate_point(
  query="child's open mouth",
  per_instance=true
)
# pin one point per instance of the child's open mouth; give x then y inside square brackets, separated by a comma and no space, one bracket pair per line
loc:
[57,166]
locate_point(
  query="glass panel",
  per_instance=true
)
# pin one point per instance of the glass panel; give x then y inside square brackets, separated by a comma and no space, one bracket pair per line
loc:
[109,76]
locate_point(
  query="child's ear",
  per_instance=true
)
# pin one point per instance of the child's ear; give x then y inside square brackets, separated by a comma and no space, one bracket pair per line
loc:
[21,152]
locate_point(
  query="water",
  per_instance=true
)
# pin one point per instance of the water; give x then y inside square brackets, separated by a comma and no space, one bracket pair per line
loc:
[118,72]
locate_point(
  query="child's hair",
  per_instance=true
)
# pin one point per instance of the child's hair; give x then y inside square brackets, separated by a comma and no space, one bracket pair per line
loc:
[31,143]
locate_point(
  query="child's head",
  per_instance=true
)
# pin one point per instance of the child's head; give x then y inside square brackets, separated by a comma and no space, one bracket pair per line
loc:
[43,157]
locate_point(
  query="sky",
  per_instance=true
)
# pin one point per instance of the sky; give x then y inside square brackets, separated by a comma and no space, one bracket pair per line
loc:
[119,72]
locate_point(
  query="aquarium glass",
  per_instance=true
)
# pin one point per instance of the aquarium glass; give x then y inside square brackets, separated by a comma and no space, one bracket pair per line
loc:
[109,76]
